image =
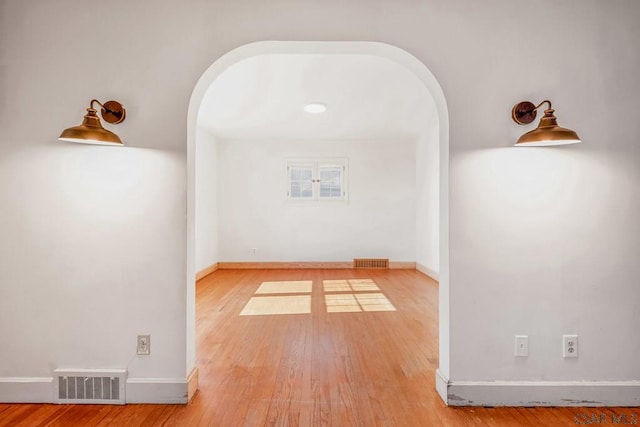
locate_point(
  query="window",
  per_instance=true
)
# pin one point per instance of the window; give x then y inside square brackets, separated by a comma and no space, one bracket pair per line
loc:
[317,179]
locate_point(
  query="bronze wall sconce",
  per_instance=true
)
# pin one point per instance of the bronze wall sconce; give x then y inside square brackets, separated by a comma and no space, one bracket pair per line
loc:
[91,130]
[547,133]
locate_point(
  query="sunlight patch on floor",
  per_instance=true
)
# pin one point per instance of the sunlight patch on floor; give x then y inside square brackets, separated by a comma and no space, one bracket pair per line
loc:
[343,303]
[349,285]
[336,286]
[349,303]
[286,287]
[358,299]
[374,302]
[290,304]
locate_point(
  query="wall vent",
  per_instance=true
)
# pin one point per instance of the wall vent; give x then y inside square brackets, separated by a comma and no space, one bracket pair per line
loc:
[370,263]
[91,386]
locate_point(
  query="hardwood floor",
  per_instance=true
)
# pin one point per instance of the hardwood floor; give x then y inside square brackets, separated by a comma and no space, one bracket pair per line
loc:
[359,367]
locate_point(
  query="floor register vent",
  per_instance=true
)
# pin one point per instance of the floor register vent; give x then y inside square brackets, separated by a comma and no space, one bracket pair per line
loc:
[91,386]
[370,263]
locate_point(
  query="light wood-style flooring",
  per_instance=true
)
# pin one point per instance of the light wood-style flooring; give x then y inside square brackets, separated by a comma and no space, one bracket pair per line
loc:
[345,358]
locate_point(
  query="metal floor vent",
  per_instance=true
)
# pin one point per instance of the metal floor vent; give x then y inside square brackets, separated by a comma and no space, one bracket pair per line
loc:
[370,263]
[89,386]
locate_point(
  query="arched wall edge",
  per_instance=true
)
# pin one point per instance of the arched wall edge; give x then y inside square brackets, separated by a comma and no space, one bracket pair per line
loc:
[384,50]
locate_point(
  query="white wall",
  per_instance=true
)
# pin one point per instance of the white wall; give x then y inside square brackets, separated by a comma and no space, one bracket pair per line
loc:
[73,242]
[545,242]
[543,211]
[378,220]
[536,256]
[206,200]
[428,200]
[93,238]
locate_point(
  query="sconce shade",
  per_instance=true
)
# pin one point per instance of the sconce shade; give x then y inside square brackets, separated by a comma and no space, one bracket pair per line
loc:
[91,130]
[547,133]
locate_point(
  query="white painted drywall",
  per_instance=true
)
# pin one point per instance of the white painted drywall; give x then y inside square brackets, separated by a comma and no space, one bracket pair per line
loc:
[545,242]
[206,200]
[531,256]
[85,258]
[93,238]
[378,220]
[428,199]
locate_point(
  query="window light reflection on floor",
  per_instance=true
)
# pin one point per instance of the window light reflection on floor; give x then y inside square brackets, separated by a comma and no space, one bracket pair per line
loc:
[349,303]
[269,305]
[286,287]
[374,302]
[358,299]
[349,285]
[343,303]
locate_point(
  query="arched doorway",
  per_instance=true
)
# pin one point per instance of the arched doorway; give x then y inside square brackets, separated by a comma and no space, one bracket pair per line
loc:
[389,52]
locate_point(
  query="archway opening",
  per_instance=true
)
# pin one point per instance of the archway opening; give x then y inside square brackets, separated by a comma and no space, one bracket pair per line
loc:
[430,152]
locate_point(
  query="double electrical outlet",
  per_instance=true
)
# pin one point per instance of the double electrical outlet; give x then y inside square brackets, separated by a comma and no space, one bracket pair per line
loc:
[569,346]
[143,345]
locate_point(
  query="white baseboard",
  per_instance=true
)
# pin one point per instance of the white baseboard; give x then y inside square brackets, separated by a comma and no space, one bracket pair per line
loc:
[201,274]
[428,271]
[538,393]
[137,390]
[156,390]
[442,384]
[26,389]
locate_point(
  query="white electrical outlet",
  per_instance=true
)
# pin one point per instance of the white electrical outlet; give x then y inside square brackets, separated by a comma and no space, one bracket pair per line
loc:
[253,250]
[522,346]
[144,345]
[569,346]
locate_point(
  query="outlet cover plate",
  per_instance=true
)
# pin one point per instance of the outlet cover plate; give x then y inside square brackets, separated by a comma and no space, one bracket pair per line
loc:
[570,346]
[143,347]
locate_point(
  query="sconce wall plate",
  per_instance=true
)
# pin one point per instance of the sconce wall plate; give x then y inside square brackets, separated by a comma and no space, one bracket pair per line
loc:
[113,112]
[524,113]
[547,133]
[90,131]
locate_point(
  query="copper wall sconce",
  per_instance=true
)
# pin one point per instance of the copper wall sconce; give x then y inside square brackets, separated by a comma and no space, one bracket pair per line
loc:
[547,133]
[91,130]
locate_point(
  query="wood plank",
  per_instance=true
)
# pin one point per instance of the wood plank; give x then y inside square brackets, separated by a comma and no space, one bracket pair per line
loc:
[319,368]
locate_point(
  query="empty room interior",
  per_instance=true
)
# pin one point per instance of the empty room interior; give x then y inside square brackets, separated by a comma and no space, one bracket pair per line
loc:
[314,208]
[411,213]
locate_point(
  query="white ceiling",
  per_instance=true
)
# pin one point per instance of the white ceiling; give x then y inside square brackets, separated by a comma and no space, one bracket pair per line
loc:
[367,97]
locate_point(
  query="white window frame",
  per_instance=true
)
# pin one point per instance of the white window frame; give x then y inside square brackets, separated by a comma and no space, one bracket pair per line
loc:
[316,165]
